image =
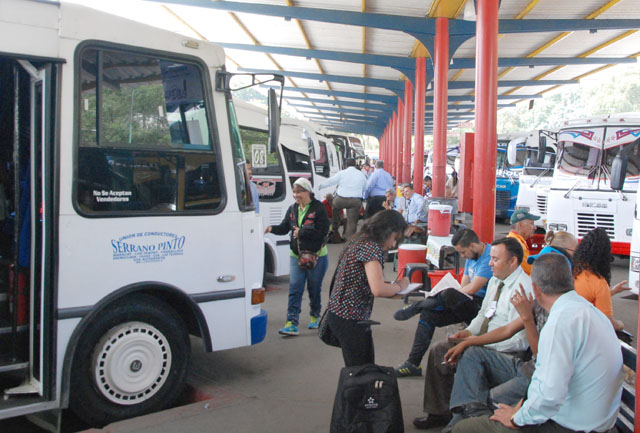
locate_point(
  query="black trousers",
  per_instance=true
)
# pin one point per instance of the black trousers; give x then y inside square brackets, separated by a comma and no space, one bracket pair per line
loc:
[355,340]
[374,205]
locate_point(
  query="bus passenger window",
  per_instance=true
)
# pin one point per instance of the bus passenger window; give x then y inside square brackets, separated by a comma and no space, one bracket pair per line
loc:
[144,142]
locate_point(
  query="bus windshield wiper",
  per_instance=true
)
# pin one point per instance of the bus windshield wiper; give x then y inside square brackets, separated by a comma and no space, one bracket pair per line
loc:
[579,181]
[538,177]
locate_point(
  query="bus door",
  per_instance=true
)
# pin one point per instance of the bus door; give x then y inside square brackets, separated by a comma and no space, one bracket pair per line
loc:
[34,223]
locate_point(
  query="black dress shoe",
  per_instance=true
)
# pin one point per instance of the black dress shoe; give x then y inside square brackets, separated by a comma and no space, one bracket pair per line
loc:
[409,311]
[430,421]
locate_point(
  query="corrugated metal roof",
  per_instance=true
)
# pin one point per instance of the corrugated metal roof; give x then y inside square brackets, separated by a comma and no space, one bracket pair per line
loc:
[317,34]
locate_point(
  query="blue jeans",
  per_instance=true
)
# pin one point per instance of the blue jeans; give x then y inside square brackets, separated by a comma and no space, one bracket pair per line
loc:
[486,376]
[297,280]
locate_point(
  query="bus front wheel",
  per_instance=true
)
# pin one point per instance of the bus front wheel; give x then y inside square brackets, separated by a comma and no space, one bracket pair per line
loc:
[131,360]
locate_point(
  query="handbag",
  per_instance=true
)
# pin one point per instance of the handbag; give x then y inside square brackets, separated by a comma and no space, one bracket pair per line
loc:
[307,260]
[324,331]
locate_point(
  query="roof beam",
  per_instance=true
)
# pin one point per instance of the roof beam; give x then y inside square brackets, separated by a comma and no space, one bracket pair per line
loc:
[340,116]
[395,86]
[375,107]
[372,130]
[386,99]
[343,110]
[470,63]
[405,65]
[507,83]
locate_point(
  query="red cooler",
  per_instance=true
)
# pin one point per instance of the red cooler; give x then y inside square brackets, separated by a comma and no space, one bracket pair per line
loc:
[439,219]
[411,253]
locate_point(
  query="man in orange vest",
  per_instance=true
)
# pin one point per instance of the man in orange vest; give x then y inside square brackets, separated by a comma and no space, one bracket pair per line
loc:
[522,228]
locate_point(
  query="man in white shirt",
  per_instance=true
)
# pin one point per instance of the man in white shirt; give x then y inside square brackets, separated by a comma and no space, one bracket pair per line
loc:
[577,382]
[351,186]
[496,311]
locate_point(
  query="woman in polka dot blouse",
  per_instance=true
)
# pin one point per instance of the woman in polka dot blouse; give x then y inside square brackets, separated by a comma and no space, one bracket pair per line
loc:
[359,278]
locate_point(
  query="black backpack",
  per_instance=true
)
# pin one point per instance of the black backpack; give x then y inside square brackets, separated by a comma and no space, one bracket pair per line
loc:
[367,401]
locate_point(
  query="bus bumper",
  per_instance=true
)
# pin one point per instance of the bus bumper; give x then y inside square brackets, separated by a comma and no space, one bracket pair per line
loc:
[259,327]
[621,248]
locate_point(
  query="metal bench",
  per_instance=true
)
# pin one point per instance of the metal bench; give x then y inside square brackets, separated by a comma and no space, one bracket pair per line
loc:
[628,401]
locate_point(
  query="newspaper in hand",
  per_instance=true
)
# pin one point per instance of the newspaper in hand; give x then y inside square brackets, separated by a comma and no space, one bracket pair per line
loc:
[447,282]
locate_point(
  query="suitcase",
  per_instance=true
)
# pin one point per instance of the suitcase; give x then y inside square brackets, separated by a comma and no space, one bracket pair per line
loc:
[367,401]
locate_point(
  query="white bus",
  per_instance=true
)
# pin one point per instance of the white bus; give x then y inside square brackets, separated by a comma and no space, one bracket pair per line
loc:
[581,197]
[535,179]
[618,179]
[127,224]
[634,256]
[273,171]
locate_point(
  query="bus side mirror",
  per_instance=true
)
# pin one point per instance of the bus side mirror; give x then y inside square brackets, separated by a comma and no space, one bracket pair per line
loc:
[542,149]
[618,171]
[274,121]
[512,152]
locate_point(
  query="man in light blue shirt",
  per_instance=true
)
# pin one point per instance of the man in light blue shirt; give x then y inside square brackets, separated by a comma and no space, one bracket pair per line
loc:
[351,185]
[377,185]
[578,377]
[449,306]
[415,205]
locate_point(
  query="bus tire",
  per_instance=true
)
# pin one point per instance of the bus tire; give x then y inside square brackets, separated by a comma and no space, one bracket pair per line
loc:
[130,362]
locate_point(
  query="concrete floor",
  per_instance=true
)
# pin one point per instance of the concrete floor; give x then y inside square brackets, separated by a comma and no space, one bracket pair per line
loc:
[288,384]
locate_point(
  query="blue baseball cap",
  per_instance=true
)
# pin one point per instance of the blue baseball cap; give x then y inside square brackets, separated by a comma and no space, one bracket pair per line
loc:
[547,250]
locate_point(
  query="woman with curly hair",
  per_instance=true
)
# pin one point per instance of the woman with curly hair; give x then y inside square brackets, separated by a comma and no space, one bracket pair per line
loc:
[358,279]
[592,273]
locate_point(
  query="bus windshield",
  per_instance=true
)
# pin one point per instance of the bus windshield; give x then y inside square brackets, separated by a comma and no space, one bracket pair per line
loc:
[502,164]
[592,165]
[534,168]
[267,169]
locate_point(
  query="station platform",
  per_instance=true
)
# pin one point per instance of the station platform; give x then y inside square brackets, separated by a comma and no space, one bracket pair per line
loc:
[288,384]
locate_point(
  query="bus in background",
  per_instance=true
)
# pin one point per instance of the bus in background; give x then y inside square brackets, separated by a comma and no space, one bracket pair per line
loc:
[453,161]
[535,179]
[508,173]
[358,150]
[270,174]
[619,169]
[634,256]
[319,148]
[129,222]
[345,146]
[581,196]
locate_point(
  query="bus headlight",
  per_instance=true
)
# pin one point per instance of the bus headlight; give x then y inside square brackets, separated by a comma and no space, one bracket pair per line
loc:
[635,264]
[629,232]
[558,227]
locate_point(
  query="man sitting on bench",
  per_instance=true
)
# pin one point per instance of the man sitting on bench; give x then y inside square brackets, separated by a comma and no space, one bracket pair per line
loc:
[450,306]
[577,384]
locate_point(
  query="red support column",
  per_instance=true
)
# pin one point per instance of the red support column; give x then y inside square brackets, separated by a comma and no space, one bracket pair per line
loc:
[399,134]
[441,82]
[465,176]
[408,115]
[485,143]
[418,121]
[636,422]
[393,137]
